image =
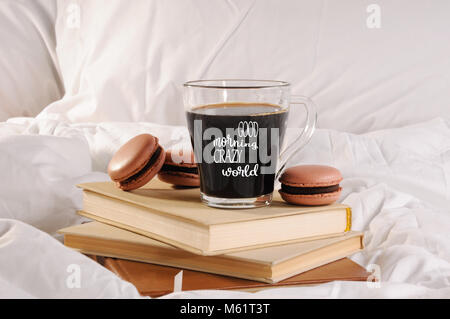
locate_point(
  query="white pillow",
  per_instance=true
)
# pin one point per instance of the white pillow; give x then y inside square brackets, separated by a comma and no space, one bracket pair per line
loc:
[126,61]
[29,78]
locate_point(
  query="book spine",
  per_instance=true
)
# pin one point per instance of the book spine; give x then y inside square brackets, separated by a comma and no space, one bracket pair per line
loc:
[349,219]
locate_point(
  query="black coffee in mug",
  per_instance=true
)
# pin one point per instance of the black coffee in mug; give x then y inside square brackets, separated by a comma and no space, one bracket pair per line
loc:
[237,128]
[238,144]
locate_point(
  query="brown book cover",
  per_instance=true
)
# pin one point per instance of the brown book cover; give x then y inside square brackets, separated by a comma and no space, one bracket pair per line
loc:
[155,281]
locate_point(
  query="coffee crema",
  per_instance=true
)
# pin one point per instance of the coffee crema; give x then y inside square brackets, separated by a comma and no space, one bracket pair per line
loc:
[237,147]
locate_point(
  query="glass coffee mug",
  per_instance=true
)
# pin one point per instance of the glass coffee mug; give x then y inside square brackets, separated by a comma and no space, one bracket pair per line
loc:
[237,128]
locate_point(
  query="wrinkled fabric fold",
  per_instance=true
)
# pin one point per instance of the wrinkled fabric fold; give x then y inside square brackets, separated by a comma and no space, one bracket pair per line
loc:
[395,180]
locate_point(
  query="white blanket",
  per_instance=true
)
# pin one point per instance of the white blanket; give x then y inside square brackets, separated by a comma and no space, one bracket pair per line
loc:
[397,181]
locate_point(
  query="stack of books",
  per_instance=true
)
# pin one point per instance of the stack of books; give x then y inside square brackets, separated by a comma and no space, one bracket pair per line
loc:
[148,235]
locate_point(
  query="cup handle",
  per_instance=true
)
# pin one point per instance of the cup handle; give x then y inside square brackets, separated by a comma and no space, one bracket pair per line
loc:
[305,135]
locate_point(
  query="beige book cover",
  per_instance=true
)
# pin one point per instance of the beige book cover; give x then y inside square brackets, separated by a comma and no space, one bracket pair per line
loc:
[270,264]
[176,216]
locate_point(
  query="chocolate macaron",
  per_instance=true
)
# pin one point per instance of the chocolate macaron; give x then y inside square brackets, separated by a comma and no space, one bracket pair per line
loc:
[310,185]
[178,172]
[136,162]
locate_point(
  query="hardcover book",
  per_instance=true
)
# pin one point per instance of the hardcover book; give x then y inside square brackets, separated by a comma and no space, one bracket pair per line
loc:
[155,281]
[176,216]
[269,264]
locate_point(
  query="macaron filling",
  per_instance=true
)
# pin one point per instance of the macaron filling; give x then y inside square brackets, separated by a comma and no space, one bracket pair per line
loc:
[293,190]
[177,168]
[146,167]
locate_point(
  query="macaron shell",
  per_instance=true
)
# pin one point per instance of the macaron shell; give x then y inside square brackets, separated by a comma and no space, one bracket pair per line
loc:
[177,160]
[131,157]
[146,176]
[180,178]
[311,176]
[311,200]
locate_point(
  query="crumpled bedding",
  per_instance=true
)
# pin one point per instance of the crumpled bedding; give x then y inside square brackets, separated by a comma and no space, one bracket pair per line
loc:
[396,180]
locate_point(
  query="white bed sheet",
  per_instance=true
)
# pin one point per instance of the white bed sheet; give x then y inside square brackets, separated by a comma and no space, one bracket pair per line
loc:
[396,180]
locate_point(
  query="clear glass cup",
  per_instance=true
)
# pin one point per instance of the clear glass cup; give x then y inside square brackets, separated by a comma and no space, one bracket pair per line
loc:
[237,128]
